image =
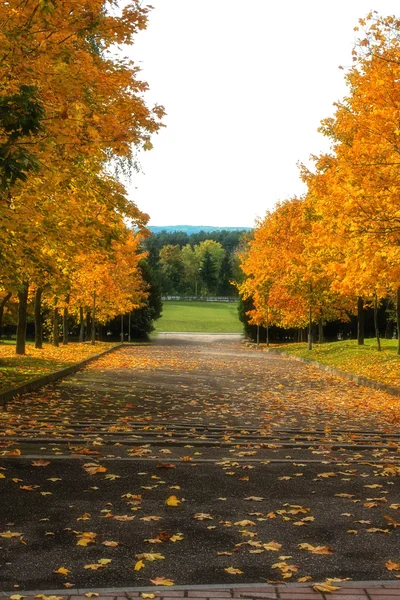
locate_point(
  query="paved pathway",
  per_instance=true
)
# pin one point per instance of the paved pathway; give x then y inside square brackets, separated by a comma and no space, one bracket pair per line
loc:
[276,471]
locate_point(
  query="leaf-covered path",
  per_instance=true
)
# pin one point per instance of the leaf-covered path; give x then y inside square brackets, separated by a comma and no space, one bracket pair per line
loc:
[198,463]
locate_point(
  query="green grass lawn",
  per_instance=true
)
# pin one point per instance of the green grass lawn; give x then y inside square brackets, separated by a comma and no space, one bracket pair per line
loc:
[201,317]
[366,361]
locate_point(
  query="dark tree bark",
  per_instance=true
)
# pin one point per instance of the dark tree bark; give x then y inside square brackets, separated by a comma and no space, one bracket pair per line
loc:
[378,341]
[22,310]
[360,321]
[94,319]
[88,334]
[56,341]
[2,307]
[398,319]
[38,318]
[310,324]
[320,331]
[65,322]
[82,325]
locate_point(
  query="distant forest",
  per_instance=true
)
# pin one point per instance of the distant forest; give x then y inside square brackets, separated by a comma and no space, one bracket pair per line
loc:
[196,264]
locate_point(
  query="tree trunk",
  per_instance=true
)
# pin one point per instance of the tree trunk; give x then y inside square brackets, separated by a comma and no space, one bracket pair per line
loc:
[88,327]
[398,319]
[378,341]
[129,327]
[56,341]
[320,331]
[2,307]
[94,320]
[267,333]
[38,318]
[65,322]
[360,321]
[258,335]
[82,325]
[310,329]
[21,327]
[122,328]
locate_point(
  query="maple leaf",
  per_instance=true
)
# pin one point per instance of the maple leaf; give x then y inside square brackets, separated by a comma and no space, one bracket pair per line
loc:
[62,571]
[16,597]
[110,544]
[392,566]
[274,546]
[94,566]
[40,463]
[10,534]
[233,571]
[255,498]
[150,556]
[202,516]
[316,549]
[162,581]
[177,537]
[325,587]
[138,565]
[173,501]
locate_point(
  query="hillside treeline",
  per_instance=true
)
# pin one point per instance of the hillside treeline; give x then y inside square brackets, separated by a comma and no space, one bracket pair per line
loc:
[199,264]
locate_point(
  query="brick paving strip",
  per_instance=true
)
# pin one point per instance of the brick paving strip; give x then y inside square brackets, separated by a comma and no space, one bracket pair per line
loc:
[357,590]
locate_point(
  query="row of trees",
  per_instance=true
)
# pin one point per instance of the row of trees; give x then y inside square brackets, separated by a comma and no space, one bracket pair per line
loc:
[329,254]
[72,117]
[196,268]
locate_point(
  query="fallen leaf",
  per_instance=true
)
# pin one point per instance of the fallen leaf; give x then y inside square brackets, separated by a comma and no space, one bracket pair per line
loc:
[162,581]
[139,565]
[62,571]
[173,501]
[233,571]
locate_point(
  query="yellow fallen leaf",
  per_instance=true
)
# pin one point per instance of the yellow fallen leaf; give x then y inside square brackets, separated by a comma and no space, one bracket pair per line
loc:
[92,595]
[150,556]
[325,587]
[144,595]
[162,581]
[178,537]
[316,549]
[110,544]
[139,565]
[233,571]
[104,561]
[62,571]
[173,501]
[274,546]
[40,463]
[16,597]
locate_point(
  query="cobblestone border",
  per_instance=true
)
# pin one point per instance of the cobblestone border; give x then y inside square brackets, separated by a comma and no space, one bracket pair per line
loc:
[351,590]
[30,386]
[376,385]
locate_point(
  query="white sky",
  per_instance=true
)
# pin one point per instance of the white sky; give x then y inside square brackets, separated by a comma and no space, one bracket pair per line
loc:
[245,85]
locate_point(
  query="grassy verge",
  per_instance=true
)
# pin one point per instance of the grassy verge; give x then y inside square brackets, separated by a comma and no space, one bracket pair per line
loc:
[16,370]
[365,361]
[201,317]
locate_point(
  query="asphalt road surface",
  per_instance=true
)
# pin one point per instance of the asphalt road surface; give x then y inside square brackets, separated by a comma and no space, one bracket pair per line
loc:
[198,461]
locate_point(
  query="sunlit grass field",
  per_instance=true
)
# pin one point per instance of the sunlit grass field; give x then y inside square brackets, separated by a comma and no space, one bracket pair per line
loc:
[365,361]
[200,317]
[16,370]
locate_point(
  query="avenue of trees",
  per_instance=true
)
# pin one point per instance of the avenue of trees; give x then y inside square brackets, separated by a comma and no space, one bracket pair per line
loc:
[336,251]
[72,116]
[200,264]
